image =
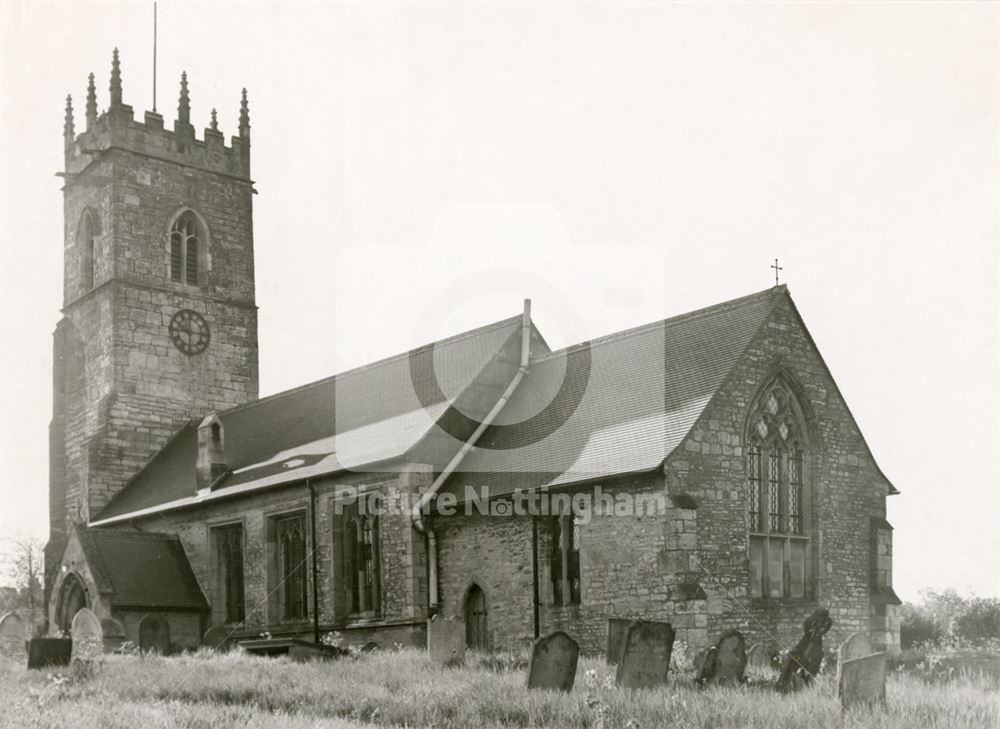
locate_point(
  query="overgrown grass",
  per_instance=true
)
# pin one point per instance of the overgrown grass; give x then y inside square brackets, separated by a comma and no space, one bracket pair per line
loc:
[405,689]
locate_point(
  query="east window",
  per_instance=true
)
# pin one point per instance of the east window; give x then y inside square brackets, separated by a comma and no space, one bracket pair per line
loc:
[777,453]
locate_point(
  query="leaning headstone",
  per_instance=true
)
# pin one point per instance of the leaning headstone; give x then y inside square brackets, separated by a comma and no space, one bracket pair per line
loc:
[704,665]
[857,645]
[44,652]
[446,640]
[730,658]
[553,662]
[12,635]
[88,637]
[616,634]
[645,655]
[862,680]
[114,635]
[804,659]
[154,634]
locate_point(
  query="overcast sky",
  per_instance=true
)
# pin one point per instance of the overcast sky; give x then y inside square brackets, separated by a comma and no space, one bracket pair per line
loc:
[424,167]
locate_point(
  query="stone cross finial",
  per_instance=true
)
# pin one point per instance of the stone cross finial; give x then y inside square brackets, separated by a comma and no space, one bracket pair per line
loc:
[116,80]
[184,103]
[91,103]
[244,117]
[68,129]
[214,124]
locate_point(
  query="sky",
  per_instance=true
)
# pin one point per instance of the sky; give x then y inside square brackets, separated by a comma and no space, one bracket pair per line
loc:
[423,167]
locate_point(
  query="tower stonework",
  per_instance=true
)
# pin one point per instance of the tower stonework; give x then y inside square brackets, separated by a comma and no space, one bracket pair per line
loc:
[159,321]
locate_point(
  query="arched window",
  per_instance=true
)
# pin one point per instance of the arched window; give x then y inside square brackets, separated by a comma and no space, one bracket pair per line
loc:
[186,240]
[86,234]
[356,534]
[778,501]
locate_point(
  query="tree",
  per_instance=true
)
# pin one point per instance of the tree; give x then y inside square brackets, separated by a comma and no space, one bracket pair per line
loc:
[26,562]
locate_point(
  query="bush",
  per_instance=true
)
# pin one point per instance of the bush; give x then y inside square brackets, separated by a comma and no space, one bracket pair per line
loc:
[917,628]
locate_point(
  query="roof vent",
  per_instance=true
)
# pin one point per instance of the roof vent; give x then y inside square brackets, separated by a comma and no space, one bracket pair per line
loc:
[211,464]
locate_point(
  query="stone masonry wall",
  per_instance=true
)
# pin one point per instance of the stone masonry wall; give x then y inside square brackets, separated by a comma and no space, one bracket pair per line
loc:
[402,558]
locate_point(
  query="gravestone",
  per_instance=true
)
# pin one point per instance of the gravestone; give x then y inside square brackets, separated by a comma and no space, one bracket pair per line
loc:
[804,659]
[857,645]
[88,637]
[12,635]
[114,635]
[553,662]
[616,634]
[862,680]
[730,658]
[154,634]
[44,652]
[446,640]
[704,665]
[645,655]
[218,638]
[759,658]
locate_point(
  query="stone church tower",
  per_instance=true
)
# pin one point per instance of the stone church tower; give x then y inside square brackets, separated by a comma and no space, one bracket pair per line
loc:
[159,322]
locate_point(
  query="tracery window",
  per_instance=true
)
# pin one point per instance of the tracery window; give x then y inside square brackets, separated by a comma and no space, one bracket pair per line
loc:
[776,455]
[229,565]
[186,236]
[357,532]
[290,539]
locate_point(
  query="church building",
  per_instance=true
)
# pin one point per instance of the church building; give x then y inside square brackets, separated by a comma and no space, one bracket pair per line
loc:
[703,470]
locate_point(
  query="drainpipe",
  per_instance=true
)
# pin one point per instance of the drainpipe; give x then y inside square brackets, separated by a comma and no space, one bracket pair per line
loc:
[416,513]
[315,549]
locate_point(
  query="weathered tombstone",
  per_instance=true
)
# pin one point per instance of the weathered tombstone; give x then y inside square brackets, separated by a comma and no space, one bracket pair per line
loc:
[857,645]
[862,680]
[12,635]
[114,635]
[730,658]
[645,656]
[553,662]
[88,637]
[154,634]
[804,659]
[759,658]
[44,652]
[304,651]
[704,665]
[446,640]
[616,634]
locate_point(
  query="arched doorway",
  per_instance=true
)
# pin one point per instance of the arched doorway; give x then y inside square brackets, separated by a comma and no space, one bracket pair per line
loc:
[475,619]
[72,598]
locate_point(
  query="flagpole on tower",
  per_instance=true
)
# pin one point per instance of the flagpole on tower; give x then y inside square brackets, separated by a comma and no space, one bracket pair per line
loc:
[154,57]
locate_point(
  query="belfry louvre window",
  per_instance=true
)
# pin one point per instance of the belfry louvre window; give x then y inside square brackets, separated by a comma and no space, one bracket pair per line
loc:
[185,238]
[229,569]
[356,545]
[564,562]
[776,454]
[290,544]
[86,236]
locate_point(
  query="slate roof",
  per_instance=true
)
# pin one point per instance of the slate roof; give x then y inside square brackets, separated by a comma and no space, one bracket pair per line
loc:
[357,418]
[619,404]
[141,569]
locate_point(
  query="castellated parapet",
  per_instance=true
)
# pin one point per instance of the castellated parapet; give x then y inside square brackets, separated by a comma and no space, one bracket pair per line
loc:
[117,128]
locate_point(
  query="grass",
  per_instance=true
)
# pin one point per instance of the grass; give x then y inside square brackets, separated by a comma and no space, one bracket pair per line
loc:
[405,689]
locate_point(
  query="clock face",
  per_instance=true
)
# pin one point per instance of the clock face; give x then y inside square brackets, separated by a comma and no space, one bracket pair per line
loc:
[189,332]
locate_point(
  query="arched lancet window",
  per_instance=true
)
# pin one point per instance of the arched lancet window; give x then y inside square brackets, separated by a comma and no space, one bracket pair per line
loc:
[778,500]
[187,237]
[86,235]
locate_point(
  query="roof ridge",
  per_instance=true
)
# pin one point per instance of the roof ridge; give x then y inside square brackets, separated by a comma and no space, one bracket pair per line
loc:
[377,363]
[688,315]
